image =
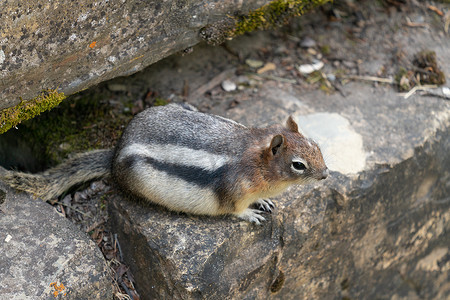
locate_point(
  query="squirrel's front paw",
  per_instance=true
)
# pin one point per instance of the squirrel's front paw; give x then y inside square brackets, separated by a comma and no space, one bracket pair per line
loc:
[251,215]
[265,205]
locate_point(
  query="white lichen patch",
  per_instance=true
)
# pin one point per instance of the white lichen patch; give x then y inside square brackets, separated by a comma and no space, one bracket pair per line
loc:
[342,147]
[112,59]
[73,37]
[8,238]
[82,17]
[2,56]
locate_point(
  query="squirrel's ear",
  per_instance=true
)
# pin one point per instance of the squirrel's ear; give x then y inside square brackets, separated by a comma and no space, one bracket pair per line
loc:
[291,125]
[276,143]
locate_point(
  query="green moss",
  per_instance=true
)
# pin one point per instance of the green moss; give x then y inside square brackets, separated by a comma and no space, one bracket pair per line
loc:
[160,101]
[424,70]
[273,14]
[402,80]
[325,49]
[85,121]
[427,69]
[25,110]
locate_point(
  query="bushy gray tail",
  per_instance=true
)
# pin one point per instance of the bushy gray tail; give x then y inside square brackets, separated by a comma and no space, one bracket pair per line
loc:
[53,182]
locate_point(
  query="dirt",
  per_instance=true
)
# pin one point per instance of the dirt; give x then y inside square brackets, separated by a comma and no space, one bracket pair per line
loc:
[355,40]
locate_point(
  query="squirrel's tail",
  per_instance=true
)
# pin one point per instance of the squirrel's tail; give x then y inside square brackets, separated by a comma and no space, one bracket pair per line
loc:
[51,183]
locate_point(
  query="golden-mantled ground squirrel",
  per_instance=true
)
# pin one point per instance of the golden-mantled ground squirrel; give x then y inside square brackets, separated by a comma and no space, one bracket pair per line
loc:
[191,162]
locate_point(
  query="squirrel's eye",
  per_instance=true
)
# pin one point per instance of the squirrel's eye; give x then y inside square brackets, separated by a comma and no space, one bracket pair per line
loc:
[298,166]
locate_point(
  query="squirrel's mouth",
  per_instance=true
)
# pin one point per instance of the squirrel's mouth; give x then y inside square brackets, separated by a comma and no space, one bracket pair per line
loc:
[324,174]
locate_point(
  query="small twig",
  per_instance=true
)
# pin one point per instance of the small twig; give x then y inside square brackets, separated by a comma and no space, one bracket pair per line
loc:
[418,88]
[63,211]
[446,21]
[95,225]
[127,290]
[369,78]
[414,24]
[271,77]
[120,295]
[338,89]
[212,83]
[75,209]
[116,241]
[436,10]
[436,93]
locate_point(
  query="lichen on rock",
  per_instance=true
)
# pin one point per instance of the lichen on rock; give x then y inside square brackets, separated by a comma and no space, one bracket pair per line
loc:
[46,100]
[273,14]
[276,13]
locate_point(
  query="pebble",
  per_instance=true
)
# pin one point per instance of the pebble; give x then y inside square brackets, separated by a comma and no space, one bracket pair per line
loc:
[241,79]
[331,77]
[253,63]
[228,85]
[307,42]
[267,67]
[2,56]
[446,91]
[309,68]
[349,64]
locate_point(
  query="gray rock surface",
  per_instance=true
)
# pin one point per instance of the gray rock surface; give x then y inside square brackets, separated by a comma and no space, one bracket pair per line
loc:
[77,44]
[184,257]
[381,232]
[44,256]
[377,228]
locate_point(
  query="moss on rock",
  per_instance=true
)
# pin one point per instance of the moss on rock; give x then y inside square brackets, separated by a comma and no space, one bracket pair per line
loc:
[274,14]
[25,110]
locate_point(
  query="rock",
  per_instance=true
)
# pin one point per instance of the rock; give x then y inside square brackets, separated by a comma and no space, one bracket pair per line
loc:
[309,68]
[228,85]
[270,66]
[376,228]
[331,77]
[389,214]
[334,134]
[446,91]
[307,42]
[191,257]
[253,63]
[82,43]
[44,256]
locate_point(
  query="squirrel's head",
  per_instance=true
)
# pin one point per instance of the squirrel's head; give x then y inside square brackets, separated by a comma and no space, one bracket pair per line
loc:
[292,157]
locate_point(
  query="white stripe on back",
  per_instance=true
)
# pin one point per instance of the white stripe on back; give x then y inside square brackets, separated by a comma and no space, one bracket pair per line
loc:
[178,155]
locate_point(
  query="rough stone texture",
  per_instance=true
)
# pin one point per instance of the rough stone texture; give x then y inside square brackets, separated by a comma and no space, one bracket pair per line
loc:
[377,230]
[77,44]
[178,256]
[42,252]
[381,233]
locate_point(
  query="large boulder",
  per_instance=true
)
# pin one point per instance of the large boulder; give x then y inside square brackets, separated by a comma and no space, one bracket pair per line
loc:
[44,256]
[69,46]
[378,227]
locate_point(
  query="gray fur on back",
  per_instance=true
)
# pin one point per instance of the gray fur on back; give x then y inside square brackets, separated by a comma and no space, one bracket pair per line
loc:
[173,124]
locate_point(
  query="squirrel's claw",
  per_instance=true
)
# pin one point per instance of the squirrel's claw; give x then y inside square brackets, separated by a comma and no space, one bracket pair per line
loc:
[251,215]
[265,205]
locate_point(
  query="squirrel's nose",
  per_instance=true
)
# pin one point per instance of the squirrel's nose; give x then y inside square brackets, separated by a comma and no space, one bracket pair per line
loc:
[325,174]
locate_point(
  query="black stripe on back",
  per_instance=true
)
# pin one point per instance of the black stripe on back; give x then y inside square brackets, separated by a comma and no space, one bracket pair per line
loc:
[195,175]
[216,180]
